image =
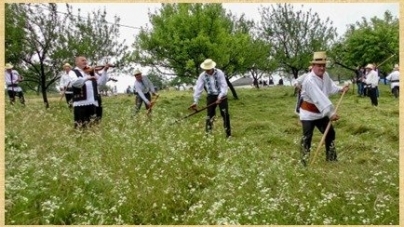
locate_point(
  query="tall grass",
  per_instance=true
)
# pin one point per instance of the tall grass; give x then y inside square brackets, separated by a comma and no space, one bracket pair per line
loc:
[136,170]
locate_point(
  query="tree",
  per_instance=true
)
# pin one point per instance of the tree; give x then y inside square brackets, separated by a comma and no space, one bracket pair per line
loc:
[15,35]
[47,40]
[184,35]
[369,41]
[295,35]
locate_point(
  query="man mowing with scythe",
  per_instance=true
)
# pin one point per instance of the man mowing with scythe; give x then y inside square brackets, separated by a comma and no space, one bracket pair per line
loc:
[213,80]
[316,109]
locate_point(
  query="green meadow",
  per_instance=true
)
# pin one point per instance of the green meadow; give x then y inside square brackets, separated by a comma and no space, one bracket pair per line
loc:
[140,170]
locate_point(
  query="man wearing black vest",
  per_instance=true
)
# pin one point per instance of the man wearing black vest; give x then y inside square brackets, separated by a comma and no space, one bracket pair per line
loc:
[214,81]
[86,98]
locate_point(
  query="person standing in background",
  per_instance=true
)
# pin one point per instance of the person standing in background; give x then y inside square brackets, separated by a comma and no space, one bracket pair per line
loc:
[371,81]
[12,79]
[64,85]
[142,88]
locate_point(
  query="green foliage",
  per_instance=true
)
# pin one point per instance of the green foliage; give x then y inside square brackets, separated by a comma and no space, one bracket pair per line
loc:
[137,171]
[295,35]
[40,40]
[183,36]
[370,41]
[15,36]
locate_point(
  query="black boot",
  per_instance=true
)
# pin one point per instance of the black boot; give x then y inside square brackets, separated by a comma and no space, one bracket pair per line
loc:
[304,152]
[331,154]
[208,126]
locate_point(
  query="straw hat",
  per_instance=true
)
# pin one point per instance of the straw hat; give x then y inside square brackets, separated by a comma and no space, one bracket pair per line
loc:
[369,66]
[396,66]
[67,65]
[137,72]
[208,64]
[319,57]
[9,66]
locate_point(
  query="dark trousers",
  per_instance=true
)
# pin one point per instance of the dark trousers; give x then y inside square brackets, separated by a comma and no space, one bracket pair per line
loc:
[372,93]
[83,115]
[321,124]
[98,109]
[396,91]
[139,102]
[298,102]
[211,112]
[12,94]
[69,99]
[361,88]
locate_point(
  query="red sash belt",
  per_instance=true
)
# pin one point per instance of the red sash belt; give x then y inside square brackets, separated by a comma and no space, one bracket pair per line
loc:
[309,107]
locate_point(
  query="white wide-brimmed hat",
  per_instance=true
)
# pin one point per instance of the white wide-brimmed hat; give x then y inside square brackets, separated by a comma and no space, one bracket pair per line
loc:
[9,66]
[208,64]
[369,66]
[137,71]
[67,65]
[319,57]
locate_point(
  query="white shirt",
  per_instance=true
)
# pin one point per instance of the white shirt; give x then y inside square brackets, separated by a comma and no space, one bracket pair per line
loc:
[395,75]
[217,77]
[316,90]
[299,81]
[65,81]
[79,82]
[12,79]
[372,78]
[143,87]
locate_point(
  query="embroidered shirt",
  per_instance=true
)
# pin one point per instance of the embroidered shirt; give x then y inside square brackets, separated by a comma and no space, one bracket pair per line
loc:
[372,78]
[316,90]
[215,84]
[64,81]
[11,80]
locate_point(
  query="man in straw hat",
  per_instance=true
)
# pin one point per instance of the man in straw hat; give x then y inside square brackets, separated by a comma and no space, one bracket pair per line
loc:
[394,78]
[316,109]
[143,87]
[371,83]
[63,85]
[86,97]
[213,80]
[12,78]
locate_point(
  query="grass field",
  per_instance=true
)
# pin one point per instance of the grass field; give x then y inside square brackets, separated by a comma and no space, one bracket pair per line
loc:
[153,171]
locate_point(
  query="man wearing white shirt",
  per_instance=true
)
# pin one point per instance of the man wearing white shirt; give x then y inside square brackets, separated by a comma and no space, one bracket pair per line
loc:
[84,82]
[214,81]
[298,86]
[143,87]
[63,84]
[12,78]
[394,78]
[371,81]
[316,109]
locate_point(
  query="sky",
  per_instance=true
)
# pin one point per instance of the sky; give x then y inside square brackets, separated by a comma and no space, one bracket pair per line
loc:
[135,15]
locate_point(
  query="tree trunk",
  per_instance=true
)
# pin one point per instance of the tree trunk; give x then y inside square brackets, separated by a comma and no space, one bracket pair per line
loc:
[255,82]
[233,91]
[43,89]
[295,73]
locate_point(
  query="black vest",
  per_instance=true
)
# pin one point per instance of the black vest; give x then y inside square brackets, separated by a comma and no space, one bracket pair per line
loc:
[80,94]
